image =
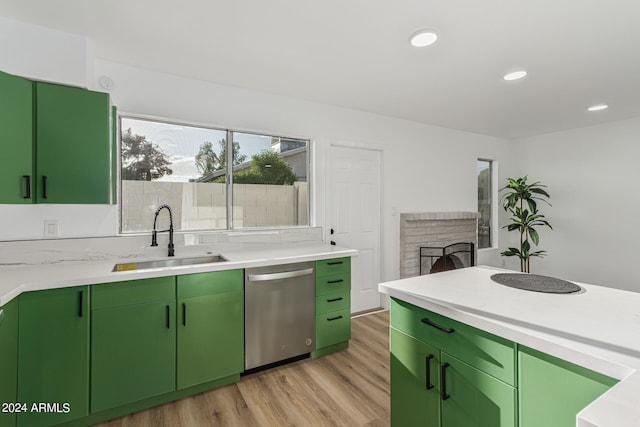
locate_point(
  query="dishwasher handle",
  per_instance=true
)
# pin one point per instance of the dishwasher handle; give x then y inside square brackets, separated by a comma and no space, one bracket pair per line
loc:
[277,276]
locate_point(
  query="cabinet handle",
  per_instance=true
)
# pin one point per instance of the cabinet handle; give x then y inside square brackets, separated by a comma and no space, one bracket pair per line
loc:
[334,318]
[44,187]
[184,314]
[443,381]
[80,304]
[428,374]
[334,299]
[335,281]
[438,327]
[335,262]
[168,317]
[27,183]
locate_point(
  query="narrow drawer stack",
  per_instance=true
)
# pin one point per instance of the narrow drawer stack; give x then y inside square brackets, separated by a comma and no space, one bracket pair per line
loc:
[333,305]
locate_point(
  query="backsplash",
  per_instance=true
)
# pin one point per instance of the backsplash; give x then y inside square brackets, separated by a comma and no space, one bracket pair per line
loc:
[37,252]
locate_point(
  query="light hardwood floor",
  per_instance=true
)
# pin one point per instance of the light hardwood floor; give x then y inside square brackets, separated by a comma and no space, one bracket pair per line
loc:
[349,388]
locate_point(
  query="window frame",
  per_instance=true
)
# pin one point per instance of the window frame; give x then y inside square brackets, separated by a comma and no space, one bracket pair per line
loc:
[493,204]
[229,172]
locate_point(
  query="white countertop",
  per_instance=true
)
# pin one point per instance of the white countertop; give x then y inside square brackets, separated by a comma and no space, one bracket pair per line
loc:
[22,278]
[598,328]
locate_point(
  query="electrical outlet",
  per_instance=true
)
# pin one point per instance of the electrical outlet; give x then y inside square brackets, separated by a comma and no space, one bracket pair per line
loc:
[50,228]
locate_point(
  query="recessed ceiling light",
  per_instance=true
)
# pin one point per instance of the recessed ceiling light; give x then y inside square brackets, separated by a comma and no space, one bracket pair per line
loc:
[598,107]
[423,38]
[516,75]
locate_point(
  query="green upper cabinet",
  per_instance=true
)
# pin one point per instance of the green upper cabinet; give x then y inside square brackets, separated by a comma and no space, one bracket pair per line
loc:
[8,359]
[53,355]
[133,341]
[210,327]
[73,145]
[553,391]
[16,140]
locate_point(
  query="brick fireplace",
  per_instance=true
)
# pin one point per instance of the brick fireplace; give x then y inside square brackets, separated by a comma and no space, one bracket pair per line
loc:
[434,229]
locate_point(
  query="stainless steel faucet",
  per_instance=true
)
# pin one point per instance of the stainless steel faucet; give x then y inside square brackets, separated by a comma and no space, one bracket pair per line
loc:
[154,234]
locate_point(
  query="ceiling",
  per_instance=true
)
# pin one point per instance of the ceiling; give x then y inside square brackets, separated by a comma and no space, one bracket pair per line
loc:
[355,53]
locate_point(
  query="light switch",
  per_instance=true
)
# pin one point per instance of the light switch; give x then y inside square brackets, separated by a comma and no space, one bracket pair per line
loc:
[50,228]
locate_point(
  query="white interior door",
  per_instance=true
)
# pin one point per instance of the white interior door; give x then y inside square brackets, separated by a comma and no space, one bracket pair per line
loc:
[353,202]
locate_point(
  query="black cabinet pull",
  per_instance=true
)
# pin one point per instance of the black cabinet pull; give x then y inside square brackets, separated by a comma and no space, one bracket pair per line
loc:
[443,381]
[335,262]
[334,318]
[332,231]
[184,314]
[44,187]
[438,327]
[334,299]
[80,304]
[335,281]
[168,317]
[332,244]
[428,373]
[27,183]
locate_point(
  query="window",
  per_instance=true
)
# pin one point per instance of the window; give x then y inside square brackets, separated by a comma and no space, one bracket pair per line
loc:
[485,205]
[186,167]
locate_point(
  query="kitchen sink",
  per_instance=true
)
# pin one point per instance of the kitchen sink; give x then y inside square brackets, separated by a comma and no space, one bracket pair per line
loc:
[174,262]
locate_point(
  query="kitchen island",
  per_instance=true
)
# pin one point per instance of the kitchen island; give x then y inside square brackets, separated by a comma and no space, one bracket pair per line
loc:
[596,330]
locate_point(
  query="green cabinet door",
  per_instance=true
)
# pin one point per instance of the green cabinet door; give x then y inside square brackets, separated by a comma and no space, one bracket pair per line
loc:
[53,355]
[210,326]
[133,353]
[73,145]
[16,139]
[210,337]
[472,398]
[8,361]
[415,382]
[553,391]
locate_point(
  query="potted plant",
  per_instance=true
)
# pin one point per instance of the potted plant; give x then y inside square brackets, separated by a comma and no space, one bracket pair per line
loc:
[520,201]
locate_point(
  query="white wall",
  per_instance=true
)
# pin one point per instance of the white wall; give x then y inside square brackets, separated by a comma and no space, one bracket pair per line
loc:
[42,54]
[593,175]
[425,168]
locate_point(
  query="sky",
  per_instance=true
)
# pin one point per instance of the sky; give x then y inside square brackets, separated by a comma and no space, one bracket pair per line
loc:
[181,144]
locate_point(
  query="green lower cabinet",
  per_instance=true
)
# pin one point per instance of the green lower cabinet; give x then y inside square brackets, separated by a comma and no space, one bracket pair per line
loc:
[333,305]
[553,391]
[415,394]
[472,398]
[133,341]
[53,356]
[8,361]
[132,354]
[333,328]
[430,388]
[210,337]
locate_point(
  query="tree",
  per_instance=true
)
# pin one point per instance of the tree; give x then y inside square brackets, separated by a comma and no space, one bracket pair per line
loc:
[524,218]
[266,168]
[207,160]
[142,160]
[237,157]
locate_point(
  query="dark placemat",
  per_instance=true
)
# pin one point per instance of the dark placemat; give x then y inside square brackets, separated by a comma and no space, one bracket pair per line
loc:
[536,283]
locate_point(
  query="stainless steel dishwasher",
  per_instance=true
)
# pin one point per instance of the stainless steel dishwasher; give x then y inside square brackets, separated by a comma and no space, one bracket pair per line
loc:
[279,315]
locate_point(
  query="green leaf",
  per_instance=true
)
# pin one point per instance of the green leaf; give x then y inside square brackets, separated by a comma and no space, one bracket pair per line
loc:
[534,236]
